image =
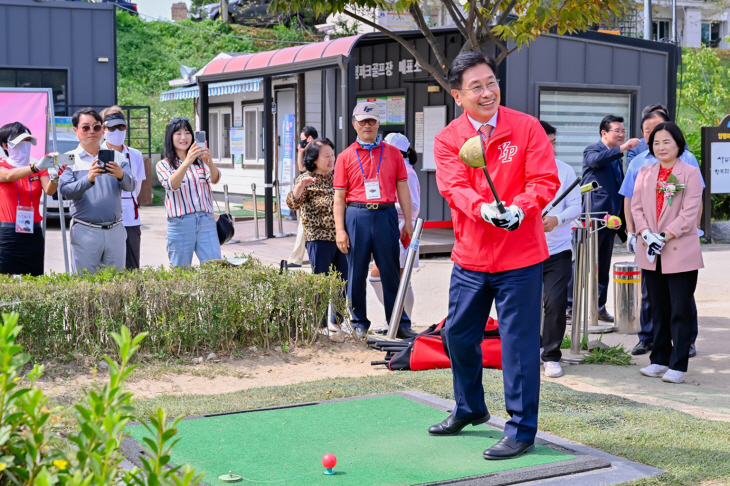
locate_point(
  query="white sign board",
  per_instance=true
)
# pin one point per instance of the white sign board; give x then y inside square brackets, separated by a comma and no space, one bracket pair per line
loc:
[419,132]
[434,120]
[720,175]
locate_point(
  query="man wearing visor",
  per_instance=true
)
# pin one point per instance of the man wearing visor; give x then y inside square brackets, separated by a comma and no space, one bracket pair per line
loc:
[23,180]
[95,190]
[115,133]
[368,175]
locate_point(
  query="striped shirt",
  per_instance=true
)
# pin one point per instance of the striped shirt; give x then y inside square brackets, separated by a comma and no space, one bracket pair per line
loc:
[192,196]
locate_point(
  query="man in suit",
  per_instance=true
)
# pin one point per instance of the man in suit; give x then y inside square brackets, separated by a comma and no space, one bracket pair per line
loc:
[603,163]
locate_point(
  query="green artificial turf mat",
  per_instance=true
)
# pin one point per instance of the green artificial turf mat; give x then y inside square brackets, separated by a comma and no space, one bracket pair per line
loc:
[379,440]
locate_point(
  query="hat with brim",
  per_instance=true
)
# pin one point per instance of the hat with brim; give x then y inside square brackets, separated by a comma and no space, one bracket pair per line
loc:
[114,119]
[366,111]
[398,140]
[23,137]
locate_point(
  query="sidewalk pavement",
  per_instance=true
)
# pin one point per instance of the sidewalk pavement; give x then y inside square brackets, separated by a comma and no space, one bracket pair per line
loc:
[706,392]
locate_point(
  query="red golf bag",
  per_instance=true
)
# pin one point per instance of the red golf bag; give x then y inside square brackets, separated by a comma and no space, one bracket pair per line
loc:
[428,350]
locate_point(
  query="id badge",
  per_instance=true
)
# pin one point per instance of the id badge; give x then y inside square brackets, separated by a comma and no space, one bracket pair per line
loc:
[24,220]
[372,189]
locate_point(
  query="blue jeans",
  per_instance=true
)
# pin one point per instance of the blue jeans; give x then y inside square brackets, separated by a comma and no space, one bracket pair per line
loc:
[195,232]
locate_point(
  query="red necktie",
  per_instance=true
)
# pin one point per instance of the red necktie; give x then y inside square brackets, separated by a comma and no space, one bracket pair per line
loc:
[486,131]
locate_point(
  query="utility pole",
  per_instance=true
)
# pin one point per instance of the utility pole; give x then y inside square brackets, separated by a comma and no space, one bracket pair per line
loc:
[648,24]
[224,11]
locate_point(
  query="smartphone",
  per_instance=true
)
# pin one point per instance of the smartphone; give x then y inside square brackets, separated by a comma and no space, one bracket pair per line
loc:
[200,139]
[303,143]
[104,157]
[66,159]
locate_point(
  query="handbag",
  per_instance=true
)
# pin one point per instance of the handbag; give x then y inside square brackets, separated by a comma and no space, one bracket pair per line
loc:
[224,226]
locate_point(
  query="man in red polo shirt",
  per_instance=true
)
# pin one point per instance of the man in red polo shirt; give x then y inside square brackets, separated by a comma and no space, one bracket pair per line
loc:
[497,254]
[368,175]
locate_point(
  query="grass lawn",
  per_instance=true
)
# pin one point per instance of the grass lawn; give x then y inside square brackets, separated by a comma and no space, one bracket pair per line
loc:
[691,450]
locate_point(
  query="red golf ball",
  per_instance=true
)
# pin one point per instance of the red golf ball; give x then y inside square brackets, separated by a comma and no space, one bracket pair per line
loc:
[329,461]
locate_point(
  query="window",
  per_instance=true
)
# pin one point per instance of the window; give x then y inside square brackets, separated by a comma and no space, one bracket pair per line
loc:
[661,30]
[711,34]
[33,78]
[577,115]
[219,141]
[253,122]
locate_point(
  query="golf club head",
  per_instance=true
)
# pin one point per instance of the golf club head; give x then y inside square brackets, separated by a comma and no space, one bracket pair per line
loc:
[472,152]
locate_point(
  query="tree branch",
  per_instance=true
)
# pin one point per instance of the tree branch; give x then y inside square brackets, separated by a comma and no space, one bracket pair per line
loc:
[439,77]
[502,47]
[435,46]
[471,26]
[506,12]
[457,17]
[495,7]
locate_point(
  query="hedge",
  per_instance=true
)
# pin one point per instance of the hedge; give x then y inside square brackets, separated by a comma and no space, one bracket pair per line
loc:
[212,307]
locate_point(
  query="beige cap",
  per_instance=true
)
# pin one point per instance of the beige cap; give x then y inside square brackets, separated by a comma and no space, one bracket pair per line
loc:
[23,137]
[366,111]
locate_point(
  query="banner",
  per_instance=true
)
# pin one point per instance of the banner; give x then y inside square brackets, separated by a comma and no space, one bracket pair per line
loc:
[286,174]
[29,108]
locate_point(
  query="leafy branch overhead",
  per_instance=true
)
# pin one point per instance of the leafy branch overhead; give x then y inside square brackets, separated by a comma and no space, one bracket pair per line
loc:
[507,24]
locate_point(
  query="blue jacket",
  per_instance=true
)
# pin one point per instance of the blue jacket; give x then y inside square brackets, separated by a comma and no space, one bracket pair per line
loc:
[604,165]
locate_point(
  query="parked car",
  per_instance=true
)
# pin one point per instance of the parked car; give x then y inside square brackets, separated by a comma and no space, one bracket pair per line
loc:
[130,7]
[65,142]
[255,13]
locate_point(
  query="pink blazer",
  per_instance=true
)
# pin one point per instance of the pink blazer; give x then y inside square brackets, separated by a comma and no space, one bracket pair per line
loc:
[682,253]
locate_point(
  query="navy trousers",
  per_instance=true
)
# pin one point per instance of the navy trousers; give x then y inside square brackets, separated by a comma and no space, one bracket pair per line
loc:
[324,255]
[373,234]
[605,251]
[647,326]
[517,295]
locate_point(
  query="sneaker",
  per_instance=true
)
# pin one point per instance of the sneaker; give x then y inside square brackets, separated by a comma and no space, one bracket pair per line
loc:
[642,348]
[553,369]
[654,370]
[673,376]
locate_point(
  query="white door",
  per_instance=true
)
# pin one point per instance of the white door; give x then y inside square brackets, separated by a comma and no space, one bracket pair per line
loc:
[286,126]
[219,125]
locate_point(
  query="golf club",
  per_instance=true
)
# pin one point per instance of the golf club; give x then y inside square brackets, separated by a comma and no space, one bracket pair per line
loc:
[562,196]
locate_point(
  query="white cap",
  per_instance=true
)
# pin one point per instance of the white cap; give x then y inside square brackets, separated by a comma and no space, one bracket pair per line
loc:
[398,140]
[23,137]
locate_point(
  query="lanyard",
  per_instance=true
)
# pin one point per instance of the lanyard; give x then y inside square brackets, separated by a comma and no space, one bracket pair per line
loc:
[371,162]
[17,191]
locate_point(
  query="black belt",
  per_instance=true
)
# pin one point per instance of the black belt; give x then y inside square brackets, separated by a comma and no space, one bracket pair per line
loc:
[12,225]
[371,205]
[95,225]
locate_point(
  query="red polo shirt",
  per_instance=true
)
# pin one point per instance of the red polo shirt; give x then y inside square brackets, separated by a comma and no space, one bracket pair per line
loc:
[349,176]
[11,192]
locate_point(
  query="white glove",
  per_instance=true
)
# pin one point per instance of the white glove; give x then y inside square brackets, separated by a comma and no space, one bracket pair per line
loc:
[509,220]
[53,174]
[48,161]
[631,242]
[655,244]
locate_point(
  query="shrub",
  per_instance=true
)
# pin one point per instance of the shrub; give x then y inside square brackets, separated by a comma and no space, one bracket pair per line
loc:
[32,451]
[212,307]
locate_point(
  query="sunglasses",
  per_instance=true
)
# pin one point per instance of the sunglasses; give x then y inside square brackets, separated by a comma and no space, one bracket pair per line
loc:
[178,120]
[86,128]
[117,127]
[370,121]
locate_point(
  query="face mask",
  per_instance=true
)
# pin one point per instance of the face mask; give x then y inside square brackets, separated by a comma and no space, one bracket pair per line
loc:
[117,137]
[19,155]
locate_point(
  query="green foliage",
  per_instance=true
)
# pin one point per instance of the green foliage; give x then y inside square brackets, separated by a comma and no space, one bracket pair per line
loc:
[31,449]
[703,96]
[615,355]
[212,307]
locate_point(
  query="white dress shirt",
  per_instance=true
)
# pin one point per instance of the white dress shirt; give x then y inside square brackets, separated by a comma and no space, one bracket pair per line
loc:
[559,239]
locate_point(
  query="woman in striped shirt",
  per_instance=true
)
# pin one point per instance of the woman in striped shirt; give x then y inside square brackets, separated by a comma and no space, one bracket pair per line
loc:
[186,174]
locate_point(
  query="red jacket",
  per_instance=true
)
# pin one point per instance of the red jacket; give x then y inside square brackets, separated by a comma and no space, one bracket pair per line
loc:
[521,163]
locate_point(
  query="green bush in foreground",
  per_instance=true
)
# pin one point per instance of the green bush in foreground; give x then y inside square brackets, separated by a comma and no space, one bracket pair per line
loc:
[33,452]
[212,307]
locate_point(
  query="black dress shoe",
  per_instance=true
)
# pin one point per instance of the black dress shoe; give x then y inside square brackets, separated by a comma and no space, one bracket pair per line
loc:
[642,348]
[604,316]
[452,425]
[569,315]
[507,448]
[405,333]
[692,350]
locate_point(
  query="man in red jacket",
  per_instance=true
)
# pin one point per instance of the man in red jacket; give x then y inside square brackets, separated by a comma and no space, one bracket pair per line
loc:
[498,256]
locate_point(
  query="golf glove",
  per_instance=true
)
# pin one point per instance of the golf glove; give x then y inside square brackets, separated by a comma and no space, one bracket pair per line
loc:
[631,242]
[509,220]
[655,243]
[53,174]
[47,162]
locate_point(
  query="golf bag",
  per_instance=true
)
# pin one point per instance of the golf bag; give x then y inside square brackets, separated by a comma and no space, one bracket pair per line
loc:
[429,351]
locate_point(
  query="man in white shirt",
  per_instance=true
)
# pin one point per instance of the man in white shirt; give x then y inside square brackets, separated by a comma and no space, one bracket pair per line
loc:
[115,133]
[556,270]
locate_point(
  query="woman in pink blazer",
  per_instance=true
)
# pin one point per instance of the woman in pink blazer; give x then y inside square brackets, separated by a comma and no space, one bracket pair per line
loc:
[665,207]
